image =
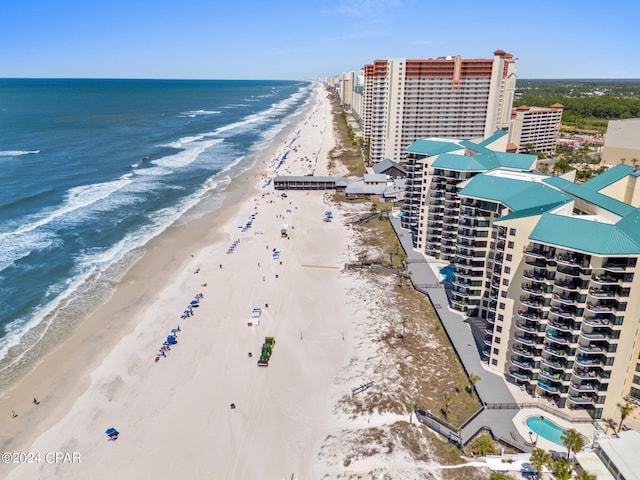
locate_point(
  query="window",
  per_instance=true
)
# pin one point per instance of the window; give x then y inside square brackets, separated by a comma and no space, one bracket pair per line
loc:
[496,339]
[512,232]
[505,282]
[494,362]
[503,294]
[500,317]
[501,306]
[507,269]
[499,329]
[509,257]
[496,351]
[510,245]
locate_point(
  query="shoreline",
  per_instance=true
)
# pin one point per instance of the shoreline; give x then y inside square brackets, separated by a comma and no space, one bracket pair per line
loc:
[70,366]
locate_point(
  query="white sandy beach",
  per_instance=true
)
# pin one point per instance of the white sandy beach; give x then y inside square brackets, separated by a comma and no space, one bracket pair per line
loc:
[174,415]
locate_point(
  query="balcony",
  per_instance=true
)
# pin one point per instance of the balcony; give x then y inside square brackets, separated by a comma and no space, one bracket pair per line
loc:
[523,352]
[545,385]
[559,339]
[556,352]
[584,386]
[568,286]
[540,254]
[604,279]
[522,363]
[615,267]
[553,363]
[585,398]
[519,375]
[587,361]
[591,348]
[563,312]
[532,289]
[527,340]
[598,308]
[564,327]
[527,327]
[531,302]
[571,260]
[597,320]
[564,299]
[551,375]
[602,294]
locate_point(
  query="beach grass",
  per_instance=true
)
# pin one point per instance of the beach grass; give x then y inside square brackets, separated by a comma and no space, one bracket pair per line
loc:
[347,151]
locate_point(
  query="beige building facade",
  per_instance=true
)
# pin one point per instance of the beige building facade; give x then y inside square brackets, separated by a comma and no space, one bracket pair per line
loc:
[622,143]
[405,100]
[550,266]
[535,129]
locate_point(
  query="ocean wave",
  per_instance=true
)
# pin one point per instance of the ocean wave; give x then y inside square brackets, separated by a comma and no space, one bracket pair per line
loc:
[75,199]
[17,153]
[195,113]
[192,149]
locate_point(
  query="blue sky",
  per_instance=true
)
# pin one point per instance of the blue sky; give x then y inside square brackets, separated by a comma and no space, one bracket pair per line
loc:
[283,39]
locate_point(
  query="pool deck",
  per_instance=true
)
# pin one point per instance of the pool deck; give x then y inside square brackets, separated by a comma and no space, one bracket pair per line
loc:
[501,412]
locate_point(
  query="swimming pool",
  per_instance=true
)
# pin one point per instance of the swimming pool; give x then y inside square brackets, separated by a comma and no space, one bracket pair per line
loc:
[548,430]
[447,273]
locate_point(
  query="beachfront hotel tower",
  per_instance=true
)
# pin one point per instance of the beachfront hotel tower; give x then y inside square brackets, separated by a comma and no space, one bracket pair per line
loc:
[536,129]
[546,268]
[405,100]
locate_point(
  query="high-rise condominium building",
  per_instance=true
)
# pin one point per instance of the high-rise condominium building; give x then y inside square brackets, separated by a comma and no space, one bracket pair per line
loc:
[405,100]
[551,266]
[536,129]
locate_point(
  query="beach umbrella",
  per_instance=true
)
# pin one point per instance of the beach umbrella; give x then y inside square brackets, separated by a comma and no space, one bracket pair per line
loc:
[174,330]
[194,302]
[111,431]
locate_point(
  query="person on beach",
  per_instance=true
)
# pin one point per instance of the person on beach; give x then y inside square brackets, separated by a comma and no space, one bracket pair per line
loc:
[35,401]
[13,414]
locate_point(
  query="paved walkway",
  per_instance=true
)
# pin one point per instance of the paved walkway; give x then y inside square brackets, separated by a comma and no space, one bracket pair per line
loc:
[491,388]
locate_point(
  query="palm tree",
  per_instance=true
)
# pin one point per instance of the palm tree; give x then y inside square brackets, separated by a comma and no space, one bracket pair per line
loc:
[625,410]
[539,458]
[573,441]
[473,379]
[562,469]
[447,401]
[584,475]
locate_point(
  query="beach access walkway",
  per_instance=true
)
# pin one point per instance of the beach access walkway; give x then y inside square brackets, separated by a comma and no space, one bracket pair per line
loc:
[499,406]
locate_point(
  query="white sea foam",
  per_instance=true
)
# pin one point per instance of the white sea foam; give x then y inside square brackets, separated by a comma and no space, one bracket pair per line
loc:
[195,113]
[75,199]
[192,149]
[17,153]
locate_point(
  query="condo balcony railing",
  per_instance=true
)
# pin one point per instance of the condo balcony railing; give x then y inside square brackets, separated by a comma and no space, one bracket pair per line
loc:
[582,399]
[519,375]
[550,362]
[605,279]
[591,348]
[518,362]
[527,327]
[580,261]
[564,327]
[523,352]
[588,361]
[545,385]
[551,375]
[597,320]
[537,290]
[569,286]
[584,386]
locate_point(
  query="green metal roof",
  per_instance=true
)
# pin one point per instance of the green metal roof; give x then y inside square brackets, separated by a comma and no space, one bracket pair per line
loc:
[530,212]
[586,235]
[514,193]
[484,162]
[497,135]
[608,177]
[432,147]
[579,191]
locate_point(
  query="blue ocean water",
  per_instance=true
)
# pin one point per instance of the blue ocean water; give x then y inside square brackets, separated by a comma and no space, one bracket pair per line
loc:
[90,170]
